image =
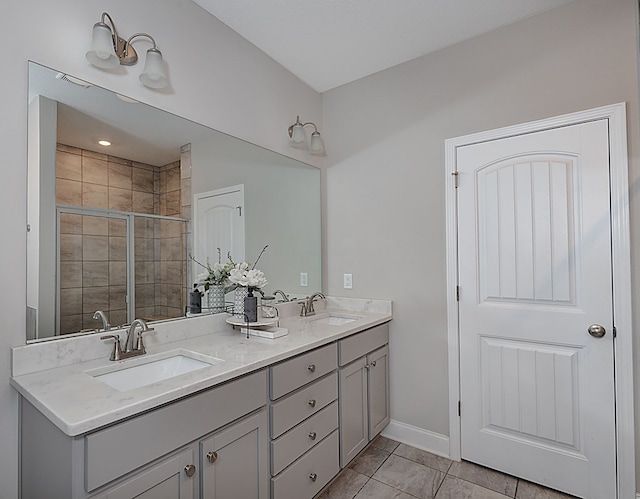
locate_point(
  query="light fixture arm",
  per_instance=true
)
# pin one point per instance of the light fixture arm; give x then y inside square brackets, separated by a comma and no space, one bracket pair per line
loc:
[129,56]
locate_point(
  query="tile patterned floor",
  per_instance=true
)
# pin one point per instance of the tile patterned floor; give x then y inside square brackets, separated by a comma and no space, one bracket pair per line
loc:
[391,470]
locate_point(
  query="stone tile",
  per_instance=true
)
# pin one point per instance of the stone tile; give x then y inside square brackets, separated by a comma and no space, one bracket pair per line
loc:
[173,203]
[120,199]
[92,154]
[70,247]
[144,249]
[377,490]
[70,323]
[172,272]
[118,273]
[145,295]
[117,297]
[174,294]
[95,274]
[485,477]
[369,461]
[70,301]
[120,176]
[69,149]
[173,179]
[95,226]
[142,180]
[117,227]
[142,202]
[528,490]
[95,248]
[185,192]
[144,272]
[117,248]
[171,228]
[95,299]
[423,457]
[70,223]
[413,478]
[68,166]
[95,196]
[456,488]
[95,171]
[120,161]
[143,227]
[171,248]
[384,443]
[71,274]
[69,192]
[346,486]
[118,317]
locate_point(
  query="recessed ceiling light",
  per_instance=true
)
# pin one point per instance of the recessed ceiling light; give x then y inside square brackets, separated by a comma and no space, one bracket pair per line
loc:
[104,143]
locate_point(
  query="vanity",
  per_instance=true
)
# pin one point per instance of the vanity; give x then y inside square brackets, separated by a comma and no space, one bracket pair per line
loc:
[264,418]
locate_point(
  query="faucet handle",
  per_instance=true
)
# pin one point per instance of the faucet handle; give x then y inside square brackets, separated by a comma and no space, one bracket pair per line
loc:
[140,342]
[116,354]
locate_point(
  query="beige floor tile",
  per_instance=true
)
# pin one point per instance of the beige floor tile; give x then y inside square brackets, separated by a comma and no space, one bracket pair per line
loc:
[413,478]
[346,486]
[456,488]
[384,443]
[369,461]
[377,490]
[485,477]
[528,490]
[423,457]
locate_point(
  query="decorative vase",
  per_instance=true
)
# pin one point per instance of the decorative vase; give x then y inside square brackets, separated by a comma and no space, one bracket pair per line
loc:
[251,308]
[216,298]
[240,294]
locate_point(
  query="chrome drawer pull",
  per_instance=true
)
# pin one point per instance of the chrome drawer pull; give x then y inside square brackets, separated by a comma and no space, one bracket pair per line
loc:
[313,477]
[311,368]
[312,402]
[190,470]
[312,435]
[212,456]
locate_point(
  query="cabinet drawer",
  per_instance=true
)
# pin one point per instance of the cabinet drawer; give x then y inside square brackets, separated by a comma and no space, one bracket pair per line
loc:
[296,372]
[288,447]
[298,406]
[297,480]
[362,343]
[123,447]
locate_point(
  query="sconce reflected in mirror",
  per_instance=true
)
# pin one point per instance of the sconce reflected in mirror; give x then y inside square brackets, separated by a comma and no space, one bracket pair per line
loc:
[298,138]
[108,51]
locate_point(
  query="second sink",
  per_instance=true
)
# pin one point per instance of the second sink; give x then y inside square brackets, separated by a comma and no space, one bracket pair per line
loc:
[335,319]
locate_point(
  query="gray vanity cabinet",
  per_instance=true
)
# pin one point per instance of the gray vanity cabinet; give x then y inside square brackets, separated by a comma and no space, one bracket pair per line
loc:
[234,461]
[304,423]
[364,389]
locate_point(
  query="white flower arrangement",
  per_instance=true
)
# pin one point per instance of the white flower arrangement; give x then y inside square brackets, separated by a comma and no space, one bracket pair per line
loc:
[218,275]
[243,274]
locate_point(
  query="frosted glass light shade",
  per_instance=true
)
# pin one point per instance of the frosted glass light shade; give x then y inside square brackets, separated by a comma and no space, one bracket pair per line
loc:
[317,144]
[153,75]
[102,54]
[298,138]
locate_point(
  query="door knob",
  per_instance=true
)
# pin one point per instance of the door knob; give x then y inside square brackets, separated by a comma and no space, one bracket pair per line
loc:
[596,330]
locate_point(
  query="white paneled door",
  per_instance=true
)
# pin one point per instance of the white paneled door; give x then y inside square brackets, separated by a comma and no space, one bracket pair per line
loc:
[535,277]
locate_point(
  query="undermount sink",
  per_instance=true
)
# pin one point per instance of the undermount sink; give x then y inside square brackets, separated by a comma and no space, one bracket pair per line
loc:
[335,319]
[125,378]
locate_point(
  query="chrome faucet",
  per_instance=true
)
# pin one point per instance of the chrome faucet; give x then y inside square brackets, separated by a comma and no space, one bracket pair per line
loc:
[102,316]
[277,292]
[130,350]
[307,306]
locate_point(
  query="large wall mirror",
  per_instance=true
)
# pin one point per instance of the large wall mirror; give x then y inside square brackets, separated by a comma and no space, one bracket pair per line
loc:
[119,228]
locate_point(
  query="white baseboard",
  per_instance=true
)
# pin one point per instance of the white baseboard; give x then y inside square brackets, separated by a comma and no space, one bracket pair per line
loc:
[418,437]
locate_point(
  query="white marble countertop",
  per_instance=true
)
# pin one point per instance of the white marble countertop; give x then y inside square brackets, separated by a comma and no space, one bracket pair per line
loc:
[76,402]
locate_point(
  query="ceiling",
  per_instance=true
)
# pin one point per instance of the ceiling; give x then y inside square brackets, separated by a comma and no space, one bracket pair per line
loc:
[327,43]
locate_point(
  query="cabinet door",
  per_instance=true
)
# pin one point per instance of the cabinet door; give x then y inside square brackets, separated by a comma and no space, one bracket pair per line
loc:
[354,433]
[378,363]
[166,480]
[235,461]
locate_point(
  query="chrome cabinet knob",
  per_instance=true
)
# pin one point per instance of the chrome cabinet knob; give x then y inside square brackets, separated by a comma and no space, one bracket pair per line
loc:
[596,330]
[373,364]
[313,477]
[312,435]
[311,368]
[190,470]
[212,456]
[312,402]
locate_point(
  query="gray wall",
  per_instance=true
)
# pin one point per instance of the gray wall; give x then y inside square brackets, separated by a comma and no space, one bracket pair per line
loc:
[385,171]
[217,78]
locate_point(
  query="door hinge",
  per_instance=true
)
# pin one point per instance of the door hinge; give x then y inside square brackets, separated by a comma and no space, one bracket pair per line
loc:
[615,332]
[455,179]
[457,293]
[459,408]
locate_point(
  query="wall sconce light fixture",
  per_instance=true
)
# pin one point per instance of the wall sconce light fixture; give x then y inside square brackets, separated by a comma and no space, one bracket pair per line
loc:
[298,138]
[108,51]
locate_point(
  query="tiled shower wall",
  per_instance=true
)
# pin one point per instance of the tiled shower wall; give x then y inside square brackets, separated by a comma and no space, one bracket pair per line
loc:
[93,249]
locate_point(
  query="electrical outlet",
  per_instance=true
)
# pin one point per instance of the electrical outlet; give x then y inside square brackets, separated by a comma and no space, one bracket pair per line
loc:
[348,281]
[304,279]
